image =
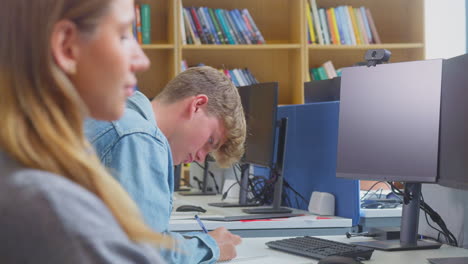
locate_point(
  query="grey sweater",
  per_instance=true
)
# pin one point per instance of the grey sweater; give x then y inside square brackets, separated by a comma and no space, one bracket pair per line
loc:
[45,218]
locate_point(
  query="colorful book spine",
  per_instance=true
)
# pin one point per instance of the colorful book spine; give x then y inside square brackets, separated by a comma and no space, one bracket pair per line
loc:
[193,29]
[198,25]
[366,24]
[375,34]
[138,23]
[205,26]
[349,26]
[310,23]
[354,25]
[332,18]
[323,22]
[145,23]
[222,38]
[241,25]
[360,23]
[225,26]
[259,35]
[316,19]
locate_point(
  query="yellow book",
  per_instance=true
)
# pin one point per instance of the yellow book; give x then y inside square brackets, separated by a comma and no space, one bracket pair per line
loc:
[335,26]
[354,24]
[311,24]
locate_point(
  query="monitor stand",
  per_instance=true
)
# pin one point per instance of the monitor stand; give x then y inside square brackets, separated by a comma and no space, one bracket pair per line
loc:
[278,171]
[244,185]
[204,190]
[409,227]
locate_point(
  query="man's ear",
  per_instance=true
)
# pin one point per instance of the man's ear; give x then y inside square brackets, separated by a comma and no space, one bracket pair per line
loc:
[196,103]
[64,44]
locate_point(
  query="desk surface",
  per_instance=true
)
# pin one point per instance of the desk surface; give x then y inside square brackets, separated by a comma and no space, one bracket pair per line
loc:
[254,250]
[294,226]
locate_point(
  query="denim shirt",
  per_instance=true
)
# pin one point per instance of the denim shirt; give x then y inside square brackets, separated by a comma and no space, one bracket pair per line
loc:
[139,157]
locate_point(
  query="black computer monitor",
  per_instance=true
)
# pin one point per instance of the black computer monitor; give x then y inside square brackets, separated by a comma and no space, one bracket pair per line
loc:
[389,130]
[260,102]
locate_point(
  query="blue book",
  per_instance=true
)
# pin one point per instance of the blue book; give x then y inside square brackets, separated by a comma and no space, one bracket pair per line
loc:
[225,27]
[258,34]
[245,30]
[239,27]
[204,25]
[192,24]
[342,27]
[233,78]
[211,25]
[366,24]
[234,31]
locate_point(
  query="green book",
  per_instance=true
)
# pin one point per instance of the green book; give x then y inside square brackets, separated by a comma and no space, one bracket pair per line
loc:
[146,23]
[314,74]
[322,73]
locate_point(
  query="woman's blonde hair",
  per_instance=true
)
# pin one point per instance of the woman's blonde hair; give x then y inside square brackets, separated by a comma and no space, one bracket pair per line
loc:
[41,112]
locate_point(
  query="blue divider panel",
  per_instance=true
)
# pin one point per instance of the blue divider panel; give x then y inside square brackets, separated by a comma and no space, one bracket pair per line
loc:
[310,161]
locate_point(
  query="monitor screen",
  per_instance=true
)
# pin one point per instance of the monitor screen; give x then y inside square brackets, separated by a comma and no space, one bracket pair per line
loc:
[260,103]
[389,122]
[453,159]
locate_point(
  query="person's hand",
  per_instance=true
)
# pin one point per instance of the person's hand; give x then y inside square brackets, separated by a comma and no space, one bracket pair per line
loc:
[227,243]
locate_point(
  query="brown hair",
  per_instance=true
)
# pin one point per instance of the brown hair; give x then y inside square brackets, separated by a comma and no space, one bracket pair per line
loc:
[224,103]
[42,114]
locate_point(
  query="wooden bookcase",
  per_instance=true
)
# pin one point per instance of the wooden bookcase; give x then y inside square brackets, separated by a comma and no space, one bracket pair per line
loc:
[286,58]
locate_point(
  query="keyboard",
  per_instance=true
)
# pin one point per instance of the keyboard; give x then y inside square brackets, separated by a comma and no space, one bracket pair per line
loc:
[318,248]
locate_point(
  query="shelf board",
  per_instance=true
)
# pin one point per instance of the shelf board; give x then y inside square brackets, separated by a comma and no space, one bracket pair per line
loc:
[242,47]
[364,47]
[157,46]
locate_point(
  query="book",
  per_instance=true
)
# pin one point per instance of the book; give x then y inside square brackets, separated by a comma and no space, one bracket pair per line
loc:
[323,22]
[349,26]
[316,19]
[145,12]
[192,29]
[183,27]
[204,25]
[333,26]
[366,24]
[198,26]
[361,26]
[222,38]
[375,34]
[224,26]
[354,25]
[329,69]
[310,24]
[260,39]
[138,23]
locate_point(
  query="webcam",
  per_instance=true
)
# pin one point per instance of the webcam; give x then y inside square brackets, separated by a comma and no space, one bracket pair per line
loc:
[377,56]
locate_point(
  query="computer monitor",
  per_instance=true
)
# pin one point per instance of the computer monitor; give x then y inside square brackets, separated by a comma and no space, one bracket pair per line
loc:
[260,103]
[389,130]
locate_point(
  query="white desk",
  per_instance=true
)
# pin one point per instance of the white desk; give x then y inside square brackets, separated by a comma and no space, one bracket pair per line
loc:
[294,226]
[254,250]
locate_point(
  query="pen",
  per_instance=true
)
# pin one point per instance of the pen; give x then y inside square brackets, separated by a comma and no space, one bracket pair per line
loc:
[201,224]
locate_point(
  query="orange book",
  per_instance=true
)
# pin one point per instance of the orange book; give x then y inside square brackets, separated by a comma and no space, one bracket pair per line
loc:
[335,25]
[138,23]
[331,27]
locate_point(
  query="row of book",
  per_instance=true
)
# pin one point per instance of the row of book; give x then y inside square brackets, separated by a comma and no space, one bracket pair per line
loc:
[342,25]
[239,77]
[142,23]
[203,25]
[324,72]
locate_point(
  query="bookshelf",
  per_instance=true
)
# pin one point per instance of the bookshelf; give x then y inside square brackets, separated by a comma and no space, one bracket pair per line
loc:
[286,57]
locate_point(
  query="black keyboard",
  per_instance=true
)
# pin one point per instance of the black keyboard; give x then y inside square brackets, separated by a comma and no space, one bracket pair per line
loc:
[319,248]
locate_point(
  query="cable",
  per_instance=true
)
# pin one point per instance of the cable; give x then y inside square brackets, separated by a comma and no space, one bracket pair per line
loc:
[435,217]
[212,176]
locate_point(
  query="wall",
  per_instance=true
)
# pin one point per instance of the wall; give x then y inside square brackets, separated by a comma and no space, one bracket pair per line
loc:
[445,28]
